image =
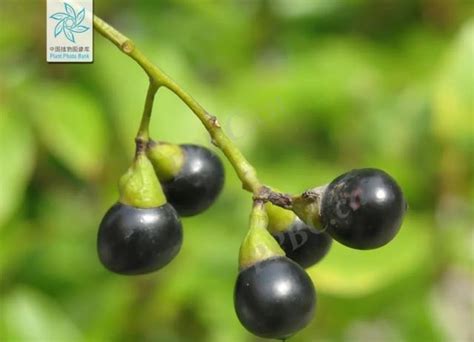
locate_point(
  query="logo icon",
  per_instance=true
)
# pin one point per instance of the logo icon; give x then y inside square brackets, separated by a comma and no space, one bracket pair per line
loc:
[69,22]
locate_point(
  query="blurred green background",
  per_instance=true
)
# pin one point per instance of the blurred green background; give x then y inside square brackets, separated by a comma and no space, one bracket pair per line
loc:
[307,89]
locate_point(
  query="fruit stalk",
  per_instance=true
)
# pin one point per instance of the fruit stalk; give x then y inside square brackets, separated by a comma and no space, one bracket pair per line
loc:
[143,132]
[245,171]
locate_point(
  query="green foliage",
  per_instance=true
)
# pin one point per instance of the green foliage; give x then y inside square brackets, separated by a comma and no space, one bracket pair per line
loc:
[45,320]
[17,160]
[308,90]
[454,89]
[72,126]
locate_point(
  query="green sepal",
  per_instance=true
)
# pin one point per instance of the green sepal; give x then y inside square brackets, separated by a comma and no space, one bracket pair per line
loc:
[167,159]
[258,245]
[308,207]
[279,219]
[139,187]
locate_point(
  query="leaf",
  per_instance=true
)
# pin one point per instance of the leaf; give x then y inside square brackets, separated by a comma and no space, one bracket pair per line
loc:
[59,16]
[17,160]
[72,126]
[69,35]
[80,16]
[70,10]
[58,29]
[79,29]
[46,321]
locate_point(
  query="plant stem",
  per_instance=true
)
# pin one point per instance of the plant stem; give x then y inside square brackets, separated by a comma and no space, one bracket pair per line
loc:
[245,171]
[143,134]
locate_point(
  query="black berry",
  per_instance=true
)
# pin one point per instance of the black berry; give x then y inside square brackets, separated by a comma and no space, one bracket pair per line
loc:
[198,183]
[135,241]
[274,298]
[363,208]
[303,244]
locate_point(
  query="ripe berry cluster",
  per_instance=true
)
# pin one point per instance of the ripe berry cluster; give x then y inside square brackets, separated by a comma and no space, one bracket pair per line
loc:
[274,297]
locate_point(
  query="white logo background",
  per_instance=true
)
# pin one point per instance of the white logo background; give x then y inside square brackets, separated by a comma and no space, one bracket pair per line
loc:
[59,48]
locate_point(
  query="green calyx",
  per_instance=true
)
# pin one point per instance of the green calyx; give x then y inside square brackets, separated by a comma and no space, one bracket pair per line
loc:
[139,187]
[279,219]
[308,207]
[258,245]
[167,159]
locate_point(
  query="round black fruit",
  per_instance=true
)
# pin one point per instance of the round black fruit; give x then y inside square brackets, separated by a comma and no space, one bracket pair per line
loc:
[274,298]
[304,245]
[363,208]
[136,241]
[198,183]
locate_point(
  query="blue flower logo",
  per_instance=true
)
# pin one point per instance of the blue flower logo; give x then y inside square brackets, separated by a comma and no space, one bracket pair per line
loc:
[69,22]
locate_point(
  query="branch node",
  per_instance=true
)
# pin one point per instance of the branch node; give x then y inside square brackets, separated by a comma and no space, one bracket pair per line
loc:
[127,47]
[279,199]
[140,144]
[214,122]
